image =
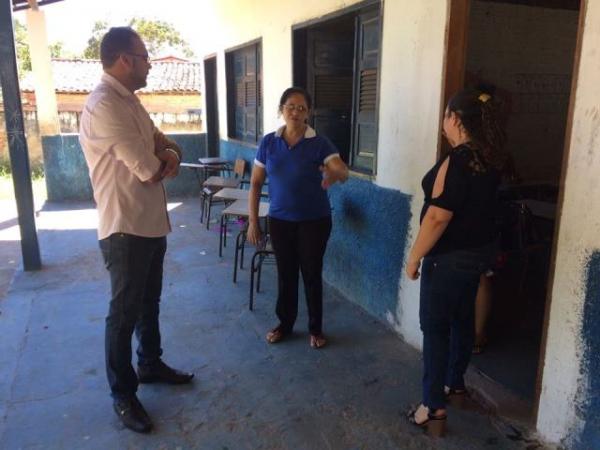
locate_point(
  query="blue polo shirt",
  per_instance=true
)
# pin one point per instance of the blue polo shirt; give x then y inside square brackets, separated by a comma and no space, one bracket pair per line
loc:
[294,177]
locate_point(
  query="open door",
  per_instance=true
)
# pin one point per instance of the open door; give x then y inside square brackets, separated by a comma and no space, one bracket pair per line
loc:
[524,50]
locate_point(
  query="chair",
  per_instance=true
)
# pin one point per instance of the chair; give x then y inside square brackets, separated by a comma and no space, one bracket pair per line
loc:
[260,256]
[521,239]
[205,169]
[208,191]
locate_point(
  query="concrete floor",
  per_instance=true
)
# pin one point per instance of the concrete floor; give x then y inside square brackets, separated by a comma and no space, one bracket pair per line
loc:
[247,394]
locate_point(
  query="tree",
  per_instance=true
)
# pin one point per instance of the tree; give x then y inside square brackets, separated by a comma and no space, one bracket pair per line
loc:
[156,34]
[22,48]
[92,51]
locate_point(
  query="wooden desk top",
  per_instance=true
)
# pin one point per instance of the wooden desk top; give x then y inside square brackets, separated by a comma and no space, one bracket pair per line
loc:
[213,160]
[220,182]
[240,208]
[232,194]
[545,210]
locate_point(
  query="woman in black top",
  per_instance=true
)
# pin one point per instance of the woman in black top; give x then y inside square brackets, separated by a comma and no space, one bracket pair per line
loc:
[455,243]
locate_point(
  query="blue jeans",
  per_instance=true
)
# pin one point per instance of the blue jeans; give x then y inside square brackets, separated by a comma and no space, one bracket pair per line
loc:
[135,265]
[447,314]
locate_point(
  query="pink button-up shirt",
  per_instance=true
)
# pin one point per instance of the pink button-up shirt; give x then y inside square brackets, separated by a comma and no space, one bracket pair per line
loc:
[117,137]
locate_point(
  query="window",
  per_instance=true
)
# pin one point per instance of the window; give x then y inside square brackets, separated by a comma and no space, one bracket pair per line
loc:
[364,134]
[244,93]
[338,62]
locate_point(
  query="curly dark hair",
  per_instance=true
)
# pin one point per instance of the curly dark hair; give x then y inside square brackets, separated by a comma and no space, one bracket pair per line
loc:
[479,113]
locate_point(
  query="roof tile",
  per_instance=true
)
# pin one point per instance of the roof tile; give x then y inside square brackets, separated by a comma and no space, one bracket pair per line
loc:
[82,76]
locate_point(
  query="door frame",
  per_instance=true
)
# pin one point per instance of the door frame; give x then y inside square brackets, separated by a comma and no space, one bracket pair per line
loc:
[457,26]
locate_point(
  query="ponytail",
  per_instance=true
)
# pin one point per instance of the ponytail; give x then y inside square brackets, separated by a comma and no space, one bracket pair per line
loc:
[479,115]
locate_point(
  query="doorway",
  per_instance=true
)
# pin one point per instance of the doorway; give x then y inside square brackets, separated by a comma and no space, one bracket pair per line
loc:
[523,52]
[212,106]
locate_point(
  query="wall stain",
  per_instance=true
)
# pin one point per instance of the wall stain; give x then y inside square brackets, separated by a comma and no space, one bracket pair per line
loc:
[366,249]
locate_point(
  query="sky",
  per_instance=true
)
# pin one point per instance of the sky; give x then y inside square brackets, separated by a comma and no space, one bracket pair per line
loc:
[71,21]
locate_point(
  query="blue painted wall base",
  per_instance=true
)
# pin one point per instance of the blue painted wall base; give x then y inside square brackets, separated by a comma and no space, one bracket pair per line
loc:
[366,249]
[589,409]
[67,176]
[232,150]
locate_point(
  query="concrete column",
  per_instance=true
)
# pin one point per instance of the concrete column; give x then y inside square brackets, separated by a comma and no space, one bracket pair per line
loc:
[45,95]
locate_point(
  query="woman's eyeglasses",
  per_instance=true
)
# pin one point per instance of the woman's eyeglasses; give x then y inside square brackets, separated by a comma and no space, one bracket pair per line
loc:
[291,107]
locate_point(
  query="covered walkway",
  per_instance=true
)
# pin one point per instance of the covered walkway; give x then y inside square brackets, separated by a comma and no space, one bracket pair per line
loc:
[246,395]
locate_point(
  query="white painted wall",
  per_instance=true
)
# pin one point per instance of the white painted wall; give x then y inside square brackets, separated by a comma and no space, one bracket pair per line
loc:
[412,67]
[578,235]
[230,23]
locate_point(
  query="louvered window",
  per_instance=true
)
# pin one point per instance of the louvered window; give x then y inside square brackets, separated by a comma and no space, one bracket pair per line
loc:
[244,93]
[364,135]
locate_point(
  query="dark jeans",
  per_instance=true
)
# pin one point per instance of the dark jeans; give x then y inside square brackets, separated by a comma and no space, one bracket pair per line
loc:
[447,313]
[300,246]
[135,265]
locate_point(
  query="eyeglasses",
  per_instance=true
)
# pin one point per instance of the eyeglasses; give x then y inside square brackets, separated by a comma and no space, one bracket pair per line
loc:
[145,57]
[291,107]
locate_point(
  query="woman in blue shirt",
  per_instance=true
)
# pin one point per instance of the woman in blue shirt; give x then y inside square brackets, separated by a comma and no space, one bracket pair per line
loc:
[301,166]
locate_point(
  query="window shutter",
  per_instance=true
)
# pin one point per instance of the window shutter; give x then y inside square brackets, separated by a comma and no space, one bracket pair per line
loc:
[364,135]
[246,94]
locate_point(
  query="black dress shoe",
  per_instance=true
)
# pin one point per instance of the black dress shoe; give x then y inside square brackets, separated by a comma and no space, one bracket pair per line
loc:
[161,373]
[133,415]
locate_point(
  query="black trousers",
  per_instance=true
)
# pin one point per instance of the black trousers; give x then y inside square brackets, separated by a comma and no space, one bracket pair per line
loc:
[135,265]
[300,246]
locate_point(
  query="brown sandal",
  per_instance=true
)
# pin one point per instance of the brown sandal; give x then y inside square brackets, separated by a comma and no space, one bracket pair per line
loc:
[317,341]
[275,335]
[434,424]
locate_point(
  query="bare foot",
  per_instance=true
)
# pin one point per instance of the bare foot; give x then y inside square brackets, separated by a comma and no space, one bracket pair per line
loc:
[317,340]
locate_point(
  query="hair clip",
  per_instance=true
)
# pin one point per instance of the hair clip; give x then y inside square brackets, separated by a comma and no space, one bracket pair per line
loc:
[484,97]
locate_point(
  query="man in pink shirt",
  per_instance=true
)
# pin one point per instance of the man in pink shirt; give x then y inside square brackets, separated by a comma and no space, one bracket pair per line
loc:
[128,157]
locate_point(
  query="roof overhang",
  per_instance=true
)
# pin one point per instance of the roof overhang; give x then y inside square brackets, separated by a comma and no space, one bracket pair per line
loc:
[19,5]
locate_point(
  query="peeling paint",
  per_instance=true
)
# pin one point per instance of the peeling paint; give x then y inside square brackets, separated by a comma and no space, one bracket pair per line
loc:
[67,176]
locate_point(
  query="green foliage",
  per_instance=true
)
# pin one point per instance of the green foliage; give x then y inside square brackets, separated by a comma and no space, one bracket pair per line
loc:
[37,168]
[156,34]
[159,35]
[92,51]
[22,48]
[56,49]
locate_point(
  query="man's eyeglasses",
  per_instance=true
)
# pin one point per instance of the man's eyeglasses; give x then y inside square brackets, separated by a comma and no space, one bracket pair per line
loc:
[145,57]
[290,107]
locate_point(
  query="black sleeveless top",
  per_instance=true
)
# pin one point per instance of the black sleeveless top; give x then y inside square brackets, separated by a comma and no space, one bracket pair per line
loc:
[470,193]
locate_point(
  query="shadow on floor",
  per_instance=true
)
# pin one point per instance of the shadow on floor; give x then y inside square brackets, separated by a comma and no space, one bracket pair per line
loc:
[246,395]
